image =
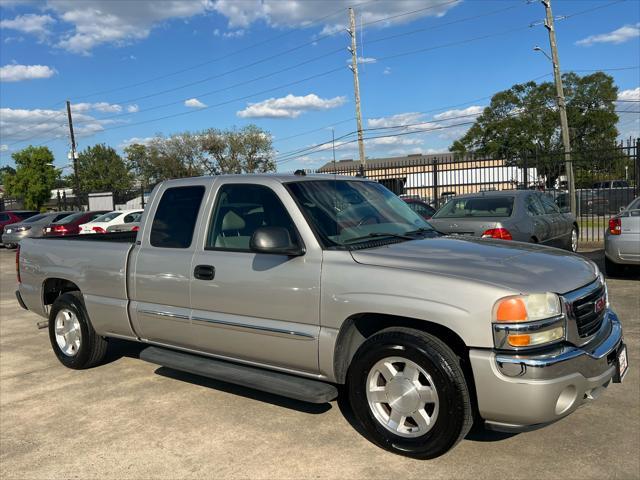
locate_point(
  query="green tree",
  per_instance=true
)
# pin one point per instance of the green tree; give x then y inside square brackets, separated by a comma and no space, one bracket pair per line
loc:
[4,171]
[524,119]
[34,176]
[245,150]
[101,169]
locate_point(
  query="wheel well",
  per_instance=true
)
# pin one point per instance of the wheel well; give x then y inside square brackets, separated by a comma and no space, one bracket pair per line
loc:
[357,328]
[534,239]
[575,224]
[54,287]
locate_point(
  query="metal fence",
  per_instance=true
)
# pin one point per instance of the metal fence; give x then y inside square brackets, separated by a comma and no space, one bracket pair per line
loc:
[606,179]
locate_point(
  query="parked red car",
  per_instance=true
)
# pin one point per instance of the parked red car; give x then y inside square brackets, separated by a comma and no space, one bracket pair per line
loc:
[423,209]
[71,225]
[14,216]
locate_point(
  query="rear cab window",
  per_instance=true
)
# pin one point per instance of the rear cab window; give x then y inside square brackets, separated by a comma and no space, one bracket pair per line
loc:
[176,217]
[486,206]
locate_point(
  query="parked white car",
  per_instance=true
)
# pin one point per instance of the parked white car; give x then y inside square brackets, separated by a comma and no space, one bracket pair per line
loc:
[100,224]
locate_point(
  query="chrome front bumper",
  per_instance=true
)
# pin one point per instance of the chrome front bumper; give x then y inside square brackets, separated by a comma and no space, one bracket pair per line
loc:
[521,392]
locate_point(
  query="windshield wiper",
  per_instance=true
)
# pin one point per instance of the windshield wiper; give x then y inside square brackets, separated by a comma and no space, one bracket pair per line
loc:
[377,235]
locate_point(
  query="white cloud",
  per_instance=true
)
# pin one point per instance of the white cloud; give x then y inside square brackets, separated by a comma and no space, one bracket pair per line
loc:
[30,23]
[229,34]
[97,22]
[44,124]
[620,35]
[296,13]
[631,94]
[133,140]
[362,60]
[103,107]
[194,103]
[450,114]
[133,108]
[387,71]
[394,120]
[290,106]
[387,141]
[4,148]
[17,73]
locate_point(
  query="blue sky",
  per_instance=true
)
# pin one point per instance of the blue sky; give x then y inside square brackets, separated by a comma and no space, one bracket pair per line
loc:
[136,69]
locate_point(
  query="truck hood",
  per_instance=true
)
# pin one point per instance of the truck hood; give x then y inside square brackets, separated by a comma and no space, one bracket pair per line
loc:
[522,267]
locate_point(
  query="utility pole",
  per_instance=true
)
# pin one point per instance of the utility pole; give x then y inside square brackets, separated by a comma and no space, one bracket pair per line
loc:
[74,157]
[562,106]
[356,86]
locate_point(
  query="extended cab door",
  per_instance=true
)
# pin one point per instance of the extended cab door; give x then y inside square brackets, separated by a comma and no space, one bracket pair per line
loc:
[161,265]
[256,307]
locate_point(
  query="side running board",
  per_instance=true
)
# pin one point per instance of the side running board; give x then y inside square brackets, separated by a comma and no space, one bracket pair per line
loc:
[304,389]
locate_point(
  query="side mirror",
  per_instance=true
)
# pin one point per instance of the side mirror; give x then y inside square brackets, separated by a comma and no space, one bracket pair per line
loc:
[622,209]
[274,240]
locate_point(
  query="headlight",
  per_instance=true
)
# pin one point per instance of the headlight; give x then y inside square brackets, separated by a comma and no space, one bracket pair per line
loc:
[22,229]
[522,321]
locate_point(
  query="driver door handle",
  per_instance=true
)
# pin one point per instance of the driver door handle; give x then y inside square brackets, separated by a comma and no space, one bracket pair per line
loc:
[204,272]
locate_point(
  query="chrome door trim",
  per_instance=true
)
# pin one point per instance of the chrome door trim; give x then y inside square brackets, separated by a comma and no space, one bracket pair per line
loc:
[165,314]
[267,330]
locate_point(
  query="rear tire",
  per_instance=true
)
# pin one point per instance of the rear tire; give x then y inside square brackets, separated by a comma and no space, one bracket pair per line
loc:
[427,393]
[73,339]
[572,244]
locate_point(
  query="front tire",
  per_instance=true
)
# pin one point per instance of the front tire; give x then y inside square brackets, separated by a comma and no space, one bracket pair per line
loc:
[409,393]
[73,339]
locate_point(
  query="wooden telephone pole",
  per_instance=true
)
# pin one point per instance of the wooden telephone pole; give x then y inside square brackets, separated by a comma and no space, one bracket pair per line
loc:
[562,106]
[74,157]
[356,86]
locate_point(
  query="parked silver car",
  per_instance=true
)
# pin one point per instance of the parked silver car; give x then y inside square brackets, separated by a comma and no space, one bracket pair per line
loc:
[522,215]
[622,239]
[31,227]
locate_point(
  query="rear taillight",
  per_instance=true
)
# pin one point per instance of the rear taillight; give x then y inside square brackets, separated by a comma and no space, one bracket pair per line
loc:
[59,229]
[615,226]
[18,264]
[135,229]
[99,230]
[501,233]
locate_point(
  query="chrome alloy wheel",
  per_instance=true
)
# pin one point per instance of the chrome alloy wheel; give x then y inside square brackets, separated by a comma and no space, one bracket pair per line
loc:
[402,397]
[574,240]
[67,330]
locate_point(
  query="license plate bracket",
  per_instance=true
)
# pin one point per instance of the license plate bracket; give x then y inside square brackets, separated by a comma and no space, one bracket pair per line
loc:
[622,364]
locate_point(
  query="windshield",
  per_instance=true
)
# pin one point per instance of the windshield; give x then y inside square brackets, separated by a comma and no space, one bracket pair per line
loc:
[35,218]
[476,207]
[343,211]
[107,217]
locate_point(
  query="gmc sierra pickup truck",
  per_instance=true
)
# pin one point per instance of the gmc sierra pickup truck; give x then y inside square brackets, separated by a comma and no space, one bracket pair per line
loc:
[296,284]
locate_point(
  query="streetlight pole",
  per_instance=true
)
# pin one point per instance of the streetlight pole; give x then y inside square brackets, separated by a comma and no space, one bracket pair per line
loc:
[562,107]
[356,86]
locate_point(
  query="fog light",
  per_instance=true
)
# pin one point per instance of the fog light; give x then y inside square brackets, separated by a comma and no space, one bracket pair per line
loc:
[566,399]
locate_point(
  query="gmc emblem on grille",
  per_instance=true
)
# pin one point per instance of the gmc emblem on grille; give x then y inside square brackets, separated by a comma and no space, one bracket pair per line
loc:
[599,305]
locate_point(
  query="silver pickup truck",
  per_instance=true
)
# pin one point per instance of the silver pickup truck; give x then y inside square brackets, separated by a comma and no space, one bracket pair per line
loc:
[297,284]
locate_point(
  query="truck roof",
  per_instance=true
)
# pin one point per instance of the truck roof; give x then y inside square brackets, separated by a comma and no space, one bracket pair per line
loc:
[277,177]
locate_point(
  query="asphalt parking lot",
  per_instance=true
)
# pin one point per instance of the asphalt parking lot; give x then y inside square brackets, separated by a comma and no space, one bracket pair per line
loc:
[131,419]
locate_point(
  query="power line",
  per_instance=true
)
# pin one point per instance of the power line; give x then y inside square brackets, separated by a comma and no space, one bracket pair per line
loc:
[289,156]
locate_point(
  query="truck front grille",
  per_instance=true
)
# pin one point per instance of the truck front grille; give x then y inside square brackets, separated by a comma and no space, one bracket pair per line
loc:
[589,311]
